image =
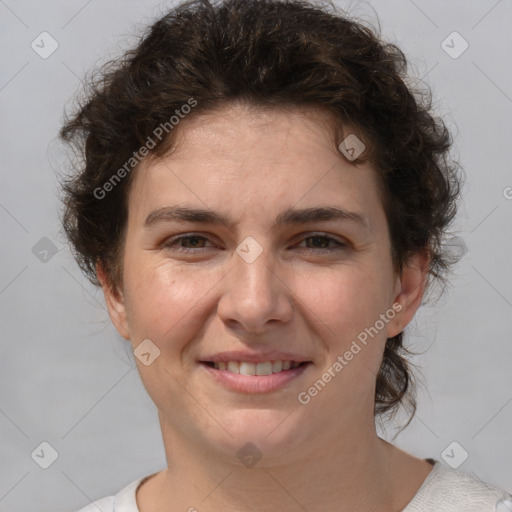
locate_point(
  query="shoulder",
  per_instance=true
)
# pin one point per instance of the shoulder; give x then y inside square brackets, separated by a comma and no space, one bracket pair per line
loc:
[448,490]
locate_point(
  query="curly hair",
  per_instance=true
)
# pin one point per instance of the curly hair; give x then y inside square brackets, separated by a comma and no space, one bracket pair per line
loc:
[273,54]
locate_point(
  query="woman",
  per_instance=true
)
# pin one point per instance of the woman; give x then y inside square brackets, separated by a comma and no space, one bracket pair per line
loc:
[264,203]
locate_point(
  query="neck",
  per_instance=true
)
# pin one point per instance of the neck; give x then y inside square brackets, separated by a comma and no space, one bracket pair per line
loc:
[348,470]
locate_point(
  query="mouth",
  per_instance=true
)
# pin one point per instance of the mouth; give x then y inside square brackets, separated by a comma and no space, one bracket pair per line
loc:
[255,369]
[255,378]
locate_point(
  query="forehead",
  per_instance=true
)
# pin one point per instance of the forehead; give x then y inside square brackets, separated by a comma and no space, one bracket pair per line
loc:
[243,160]
[236,130]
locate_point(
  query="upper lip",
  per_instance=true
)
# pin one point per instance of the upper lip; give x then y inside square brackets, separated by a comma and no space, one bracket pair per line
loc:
[254,357]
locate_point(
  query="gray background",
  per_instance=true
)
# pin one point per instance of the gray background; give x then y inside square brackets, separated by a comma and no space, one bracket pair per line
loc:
[69,380]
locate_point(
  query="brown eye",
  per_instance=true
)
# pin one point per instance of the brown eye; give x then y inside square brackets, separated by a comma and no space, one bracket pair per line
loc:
[321,243]
[194,241]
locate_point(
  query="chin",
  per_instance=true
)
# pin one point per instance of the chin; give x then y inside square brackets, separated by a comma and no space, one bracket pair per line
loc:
[267,435]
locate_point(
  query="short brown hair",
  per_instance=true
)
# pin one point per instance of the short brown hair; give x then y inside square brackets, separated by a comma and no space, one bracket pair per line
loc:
[269,53]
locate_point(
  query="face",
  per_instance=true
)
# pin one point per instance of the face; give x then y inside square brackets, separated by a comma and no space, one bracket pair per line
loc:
[270,288]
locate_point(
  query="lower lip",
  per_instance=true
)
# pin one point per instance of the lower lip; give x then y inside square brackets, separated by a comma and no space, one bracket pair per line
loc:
[255,383]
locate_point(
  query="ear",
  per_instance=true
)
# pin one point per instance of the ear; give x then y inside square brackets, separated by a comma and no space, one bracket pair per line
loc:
[115,303]
[409,289]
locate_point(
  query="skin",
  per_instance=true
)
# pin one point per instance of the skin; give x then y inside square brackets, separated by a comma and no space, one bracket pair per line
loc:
[250,164]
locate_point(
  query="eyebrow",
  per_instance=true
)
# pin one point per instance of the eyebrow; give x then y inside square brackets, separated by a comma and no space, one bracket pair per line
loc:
[288,217]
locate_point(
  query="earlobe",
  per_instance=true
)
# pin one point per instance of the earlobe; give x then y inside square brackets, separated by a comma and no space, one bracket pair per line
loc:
[115,303]
[410,289]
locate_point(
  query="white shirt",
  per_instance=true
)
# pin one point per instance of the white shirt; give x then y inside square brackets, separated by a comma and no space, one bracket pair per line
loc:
[444,490]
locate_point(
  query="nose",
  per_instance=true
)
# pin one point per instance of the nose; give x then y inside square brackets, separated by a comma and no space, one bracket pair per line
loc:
[256,295]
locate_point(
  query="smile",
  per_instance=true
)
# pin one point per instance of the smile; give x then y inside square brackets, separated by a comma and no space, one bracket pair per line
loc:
[248,377]
[248,368]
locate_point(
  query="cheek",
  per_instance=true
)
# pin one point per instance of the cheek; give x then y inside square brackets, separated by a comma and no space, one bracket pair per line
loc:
[161,301]
[346,301]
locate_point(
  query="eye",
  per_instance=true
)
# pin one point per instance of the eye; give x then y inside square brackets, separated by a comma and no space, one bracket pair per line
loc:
[320,242]
[194,240]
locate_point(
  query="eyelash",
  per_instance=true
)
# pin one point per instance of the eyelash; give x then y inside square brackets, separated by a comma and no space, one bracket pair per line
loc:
[171,244]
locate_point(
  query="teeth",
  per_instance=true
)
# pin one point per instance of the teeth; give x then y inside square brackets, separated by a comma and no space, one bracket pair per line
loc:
[247,369]
[265,368]
[234,367]
[277,366]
